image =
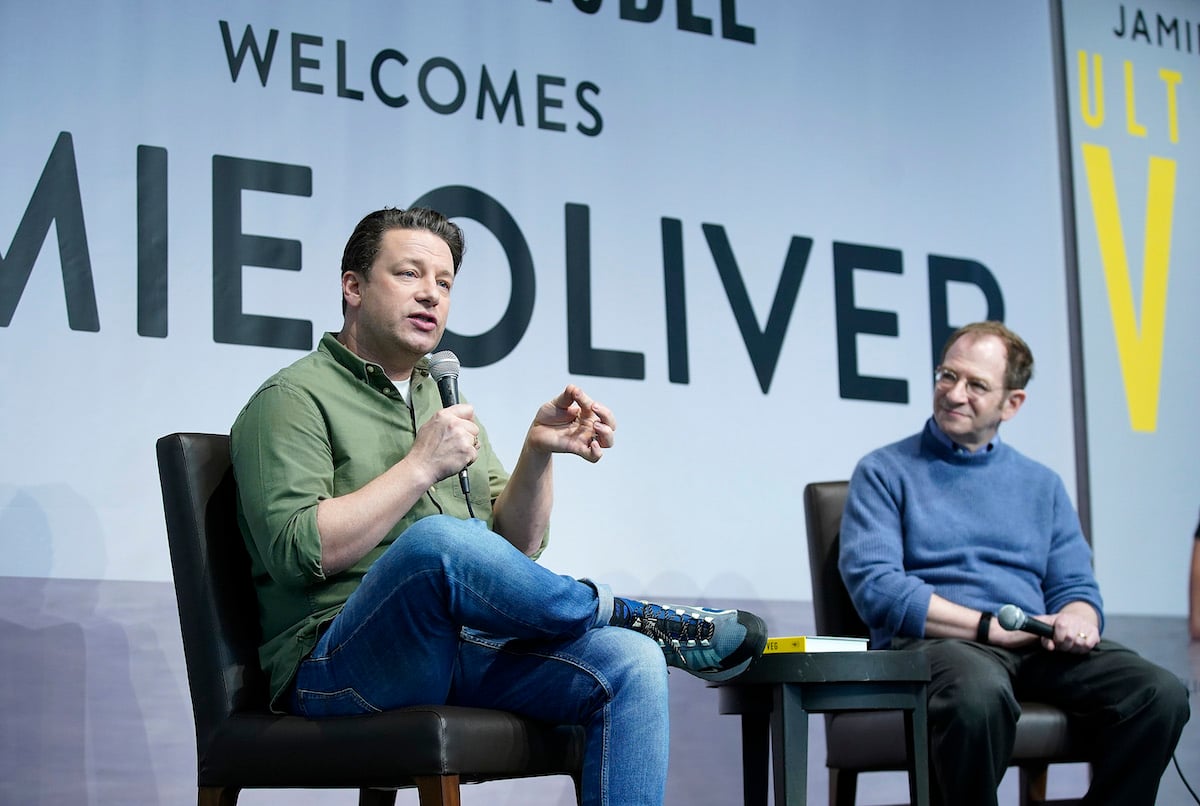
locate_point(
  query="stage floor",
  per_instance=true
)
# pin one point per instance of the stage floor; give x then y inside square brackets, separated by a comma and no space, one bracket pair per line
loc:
[93,690]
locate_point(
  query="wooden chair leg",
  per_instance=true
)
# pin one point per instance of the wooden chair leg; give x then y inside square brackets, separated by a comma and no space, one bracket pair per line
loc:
[438,790]
[1031,781]
[217,796]
[376,797]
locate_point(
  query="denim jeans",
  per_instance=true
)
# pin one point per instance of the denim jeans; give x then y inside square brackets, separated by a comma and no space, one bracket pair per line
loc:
[452,613]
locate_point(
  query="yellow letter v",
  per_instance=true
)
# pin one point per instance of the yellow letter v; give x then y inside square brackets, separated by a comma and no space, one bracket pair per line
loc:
[1140,349]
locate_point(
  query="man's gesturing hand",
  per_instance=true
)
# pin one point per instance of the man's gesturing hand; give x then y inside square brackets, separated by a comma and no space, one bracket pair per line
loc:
[572,423]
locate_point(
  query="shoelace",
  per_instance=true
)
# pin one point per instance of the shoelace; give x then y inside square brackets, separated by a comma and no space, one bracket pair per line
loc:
[680,628]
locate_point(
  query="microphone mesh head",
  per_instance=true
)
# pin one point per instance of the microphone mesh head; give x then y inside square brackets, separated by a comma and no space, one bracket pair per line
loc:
[443,364]
[1010,617]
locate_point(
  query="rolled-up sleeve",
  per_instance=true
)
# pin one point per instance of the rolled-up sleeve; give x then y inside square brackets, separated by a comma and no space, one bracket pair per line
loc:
[283,466]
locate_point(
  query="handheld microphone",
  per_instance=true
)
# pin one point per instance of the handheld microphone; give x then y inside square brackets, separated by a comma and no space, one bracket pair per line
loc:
[443,367]
[1012,617]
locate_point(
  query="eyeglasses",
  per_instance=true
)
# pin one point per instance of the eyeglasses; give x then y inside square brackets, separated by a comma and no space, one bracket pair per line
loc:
[946,379]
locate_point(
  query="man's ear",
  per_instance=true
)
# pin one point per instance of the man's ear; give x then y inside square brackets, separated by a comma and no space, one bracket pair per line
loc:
[1012,403]
[352,288]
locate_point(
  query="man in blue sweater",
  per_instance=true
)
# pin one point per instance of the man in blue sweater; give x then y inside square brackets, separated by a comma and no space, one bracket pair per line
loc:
[945,527]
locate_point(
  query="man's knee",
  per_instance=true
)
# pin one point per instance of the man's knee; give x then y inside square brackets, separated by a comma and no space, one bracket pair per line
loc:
[1169,698]
[977,701]
[438,529]
[970,690]
[634,662]
[435,536]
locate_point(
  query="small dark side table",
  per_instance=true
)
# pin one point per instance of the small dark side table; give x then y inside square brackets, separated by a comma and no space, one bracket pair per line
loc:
[780,690]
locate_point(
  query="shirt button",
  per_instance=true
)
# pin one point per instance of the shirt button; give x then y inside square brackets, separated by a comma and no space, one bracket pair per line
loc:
[370,368]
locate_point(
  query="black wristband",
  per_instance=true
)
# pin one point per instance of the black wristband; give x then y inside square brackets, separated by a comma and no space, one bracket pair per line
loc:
[981,632]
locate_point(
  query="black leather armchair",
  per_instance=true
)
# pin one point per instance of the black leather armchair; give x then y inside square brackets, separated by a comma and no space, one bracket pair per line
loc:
[874,741]
[240,744]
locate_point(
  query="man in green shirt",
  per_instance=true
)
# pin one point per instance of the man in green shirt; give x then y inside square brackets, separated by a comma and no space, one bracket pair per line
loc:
[381,585]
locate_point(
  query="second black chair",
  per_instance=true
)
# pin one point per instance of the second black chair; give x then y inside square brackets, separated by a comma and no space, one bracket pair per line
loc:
[874,741]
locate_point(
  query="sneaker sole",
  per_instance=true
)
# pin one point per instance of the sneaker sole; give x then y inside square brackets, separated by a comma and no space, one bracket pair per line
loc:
[752,645]
[750,650]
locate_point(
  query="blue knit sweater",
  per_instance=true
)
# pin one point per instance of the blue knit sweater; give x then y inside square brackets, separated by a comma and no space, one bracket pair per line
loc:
[980,529]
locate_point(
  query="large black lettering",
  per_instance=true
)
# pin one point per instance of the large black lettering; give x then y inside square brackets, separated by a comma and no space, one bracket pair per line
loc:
[344,90]
[387,55]
[460,83]
[851,321]
[582,357]
[261,61]
[763,345]
[152,241]
[690,21]
[512,94]
[597,121]
[487,348]
[630,10]
[650,11]
[233,249]
[301,63]
[674,292]
[946,270]
[55,199]
[731,28]
[546,102]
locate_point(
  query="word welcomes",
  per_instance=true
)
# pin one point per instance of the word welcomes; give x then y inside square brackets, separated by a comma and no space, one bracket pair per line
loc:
[441,84]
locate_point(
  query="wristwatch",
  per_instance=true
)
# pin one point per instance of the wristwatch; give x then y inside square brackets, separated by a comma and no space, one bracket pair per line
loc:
[985,622]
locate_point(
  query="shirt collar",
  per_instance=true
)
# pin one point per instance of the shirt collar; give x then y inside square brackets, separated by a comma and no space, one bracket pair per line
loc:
[368,372]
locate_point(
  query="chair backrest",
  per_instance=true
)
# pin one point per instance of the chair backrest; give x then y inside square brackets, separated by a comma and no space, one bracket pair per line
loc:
[833,609]
[218,608]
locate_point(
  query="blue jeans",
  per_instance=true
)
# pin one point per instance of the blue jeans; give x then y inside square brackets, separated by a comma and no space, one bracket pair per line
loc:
[452,613]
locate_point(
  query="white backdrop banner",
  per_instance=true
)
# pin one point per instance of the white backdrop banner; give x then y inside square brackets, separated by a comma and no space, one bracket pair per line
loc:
[745,226]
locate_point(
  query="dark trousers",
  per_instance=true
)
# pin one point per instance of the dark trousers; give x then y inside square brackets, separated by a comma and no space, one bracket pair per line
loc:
[1129,711]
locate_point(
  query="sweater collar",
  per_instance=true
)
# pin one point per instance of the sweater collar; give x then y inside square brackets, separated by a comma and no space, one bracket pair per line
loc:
[953,446]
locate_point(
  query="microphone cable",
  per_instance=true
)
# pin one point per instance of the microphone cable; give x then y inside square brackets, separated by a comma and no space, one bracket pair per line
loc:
[1012,617]
[1183,778]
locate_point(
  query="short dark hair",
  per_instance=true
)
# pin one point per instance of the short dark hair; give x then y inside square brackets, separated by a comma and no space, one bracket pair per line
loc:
[363,246]
[1019,358]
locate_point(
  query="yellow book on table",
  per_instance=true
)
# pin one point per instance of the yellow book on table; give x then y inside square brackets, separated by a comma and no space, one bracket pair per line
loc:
[814,643]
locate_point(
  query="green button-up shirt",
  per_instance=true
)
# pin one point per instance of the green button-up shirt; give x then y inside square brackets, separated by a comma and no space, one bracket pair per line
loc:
[321,428]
